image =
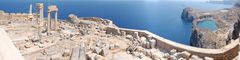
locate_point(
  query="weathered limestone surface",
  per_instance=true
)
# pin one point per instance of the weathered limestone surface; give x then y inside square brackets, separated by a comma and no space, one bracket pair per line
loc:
[78,53]
[93,38]
[7,49]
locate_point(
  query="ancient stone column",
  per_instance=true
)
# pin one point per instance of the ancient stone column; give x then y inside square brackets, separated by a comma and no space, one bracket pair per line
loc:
[49,21]
[56,20]
[41,13]
[37,13]
[54,9]
[39,10]
[30,9]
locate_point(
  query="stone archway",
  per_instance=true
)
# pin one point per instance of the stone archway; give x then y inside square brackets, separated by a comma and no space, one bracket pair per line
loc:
[52,8]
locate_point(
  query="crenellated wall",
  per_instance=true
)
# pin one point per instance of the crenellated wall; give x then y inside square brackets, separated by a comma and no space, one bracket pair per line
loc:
[226,53]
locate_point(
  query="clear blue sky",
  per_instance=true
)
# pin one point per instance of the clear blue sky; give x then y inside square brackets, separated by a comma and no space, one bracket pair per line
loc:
[139,0]
[114,0]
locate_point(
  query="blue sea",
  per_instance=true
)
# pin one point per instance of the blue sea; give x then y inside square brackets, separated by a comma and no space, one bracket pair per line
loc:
[158,16]
[208,24]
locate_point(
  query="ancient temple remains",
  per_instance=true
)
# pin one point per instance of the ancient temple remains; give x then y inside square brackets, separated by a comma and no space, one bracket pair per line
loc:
[52,8]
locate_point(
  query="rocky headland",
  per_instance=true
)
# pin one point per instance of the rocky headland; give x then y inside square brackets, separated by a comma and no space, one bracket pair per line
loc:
[226,20]
[32,36]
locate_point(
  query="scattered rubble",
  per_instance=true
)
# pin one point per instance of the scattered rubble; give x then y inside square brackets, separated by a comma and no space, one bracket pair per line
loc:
[90,38]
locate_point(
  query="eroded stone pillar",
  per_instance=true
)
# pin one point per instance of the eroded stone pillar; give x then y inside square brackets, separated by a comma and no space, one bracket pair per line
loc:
[49,22]
[30,9]
[37,14]
[41,13]
[56,20]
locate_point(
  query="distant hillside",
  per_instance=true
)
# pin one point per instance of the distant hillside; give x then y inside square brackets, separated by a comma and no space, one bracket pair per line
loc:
[229,2]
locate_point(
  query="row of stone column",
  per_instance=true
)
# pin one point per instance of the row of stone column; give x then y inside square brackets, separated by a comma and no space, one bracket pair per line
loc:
[39,16]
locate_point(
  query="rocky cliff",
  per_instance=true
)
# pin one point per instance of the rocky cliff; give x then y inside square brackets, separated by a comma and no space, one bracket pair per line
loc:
[206,39]
[235,32]
[188,14]
[227,21]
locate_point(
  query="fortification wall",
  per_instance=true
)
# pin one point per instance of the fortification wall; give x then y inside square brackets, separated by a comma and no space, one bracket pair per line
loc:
[14,16]
[226,53]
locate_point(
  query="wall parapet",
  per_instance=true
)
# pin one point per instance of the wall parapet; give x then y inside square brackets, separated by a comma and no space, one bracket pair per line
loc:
[225,53]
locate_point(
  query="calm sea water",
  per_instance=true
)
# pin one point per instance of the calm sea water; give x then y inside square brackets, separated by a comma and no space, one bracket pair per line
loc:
[207,24]
[160,17]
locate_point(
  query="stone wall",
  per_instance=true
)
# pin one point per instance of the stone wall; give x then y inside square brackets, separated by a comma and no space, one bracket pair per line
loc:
[226,53]
[14,16]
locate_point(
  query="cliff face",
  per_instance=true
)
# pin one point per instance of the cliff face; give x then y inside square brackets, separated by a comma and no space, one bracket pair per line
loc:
[235,32]
[228,28]
[188,14]
[205,39]
[195,38]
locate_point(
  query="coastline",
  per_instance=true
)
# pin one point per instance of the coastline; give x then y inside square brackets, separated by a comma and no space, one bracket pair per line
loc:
[96,38]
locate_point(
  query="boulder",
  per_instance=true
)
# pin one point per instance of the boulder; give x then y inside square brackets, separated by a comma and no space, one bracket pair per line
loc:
[35,39]
[185,54]
[182,59]
[109,22]
[98,57]
[156,56]
[41,45]
[66,53]
[56,57]
[173,51]
[27,45]
[130,37]
[105,51]
[172,57]
[91,56]
[123,33]
[195,57]
[138,54]
[153,43]
[135,35]
[72,18]
[113,46]
[111,30]
[166,55]
[97,50]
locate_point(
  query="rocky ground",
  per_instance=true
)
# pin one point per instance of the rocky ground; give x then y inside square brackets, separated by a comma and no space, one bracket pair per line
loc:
[85,39]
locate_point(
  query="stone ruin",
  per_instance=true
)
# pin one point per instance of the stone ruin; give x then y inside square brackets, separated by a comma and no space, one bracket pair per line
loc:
[93,38]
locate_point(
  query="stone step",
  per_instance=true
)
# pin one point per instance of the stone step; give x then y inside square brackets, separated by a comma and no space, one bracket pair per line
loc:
[78,53]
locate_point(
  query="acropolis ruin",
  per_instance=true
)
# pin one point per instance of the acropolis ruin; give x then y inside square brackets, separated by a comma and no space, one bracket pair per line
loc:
[31,36]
